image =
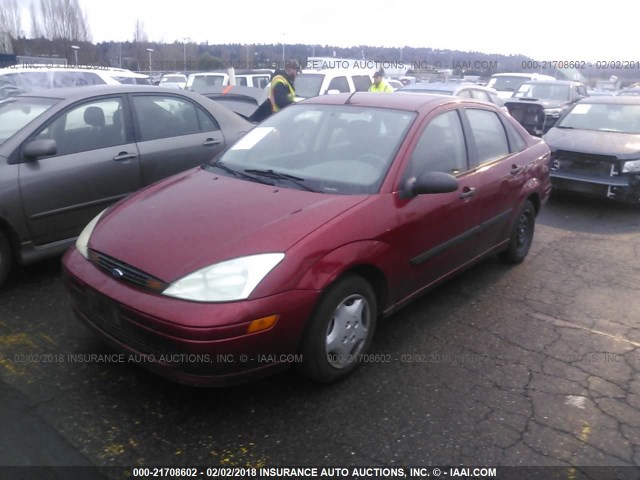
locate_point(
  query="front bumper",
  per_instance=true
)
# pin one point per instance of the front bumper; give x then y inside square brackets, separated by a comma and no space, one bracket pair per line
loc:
[195,343]
[581,174]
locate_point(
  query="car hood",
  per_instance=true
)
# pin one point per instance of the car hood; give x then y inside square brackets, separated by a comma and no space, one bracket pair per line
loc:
[625,146]
[199,218]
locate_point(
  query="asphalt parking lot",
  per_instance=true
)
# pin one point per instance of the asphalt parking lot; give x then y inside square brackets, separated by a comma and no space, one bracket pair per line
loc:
[535,365]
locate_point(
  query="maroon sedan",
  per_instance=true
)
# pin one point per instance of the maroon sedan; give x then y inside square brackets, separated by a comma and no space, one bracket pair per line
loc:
[288,247]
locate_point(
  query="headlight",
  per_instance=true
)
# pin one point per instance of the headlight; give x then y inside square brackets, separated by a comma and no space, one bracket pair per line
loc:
[553,112]
[631,167]
[226,281]
[83,240]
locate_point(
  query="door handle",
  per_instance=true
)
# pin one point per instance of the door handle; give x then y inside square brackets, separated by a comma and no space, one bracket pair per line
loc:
[515,169]
[467,192]
[124,156]
[209,142]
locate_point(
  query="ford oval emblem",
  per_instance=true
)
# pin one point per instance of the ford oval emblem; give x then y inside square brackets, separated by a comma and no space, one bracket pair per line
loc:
[117,273]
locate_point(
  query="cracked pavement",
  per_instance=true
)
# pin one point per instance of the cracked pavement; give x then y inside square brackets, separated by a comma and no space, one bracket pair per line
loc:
[535,365]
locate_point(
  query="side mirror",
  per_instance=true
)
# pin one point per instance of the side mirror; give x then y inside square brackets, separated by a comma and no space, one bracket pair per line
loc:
[39,148]
[333,91]
[430,182]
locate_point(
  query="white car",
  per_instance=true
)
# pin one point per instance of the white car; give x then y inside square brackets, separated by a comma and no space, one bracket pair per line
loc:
[173,80]
[311,83]
[198,81]
[16,80]
[507,83]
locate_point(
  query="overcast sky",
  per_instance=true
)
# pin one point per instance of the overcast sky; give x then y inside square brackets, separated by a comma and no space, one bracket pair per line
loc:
[543,29]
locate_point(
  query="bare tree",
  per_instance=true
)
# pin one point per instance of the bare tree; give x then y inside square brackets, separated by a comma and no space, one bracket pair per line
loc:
[61,19]
[35,28]
[139,34]
[10,18]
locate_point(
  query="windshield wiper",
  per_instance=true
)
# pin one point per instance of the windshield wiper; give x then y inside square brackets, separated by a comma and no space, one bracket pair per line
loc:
[282,176]
[562,126]
[236,173]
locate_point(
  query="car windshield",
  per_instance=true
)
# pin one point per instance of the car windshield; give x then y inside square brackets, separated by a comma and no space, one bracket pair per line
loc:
[606,117]
[338,149]
[308,85]
[506,83]
[546,91]
[15,113]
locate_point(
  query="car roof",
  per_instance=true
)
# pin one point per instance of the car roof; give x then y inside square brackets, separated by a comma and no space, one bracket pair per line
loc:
[112,72]
[409,102]
[619,100]
[520,74]
[337,71]
[552,82]
[71,93]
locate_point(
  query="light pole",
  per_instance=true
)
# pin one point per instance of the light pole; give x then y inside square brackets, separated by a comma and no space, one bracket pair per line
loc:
[283,39]
[149,50]
[184,43]
[75,51]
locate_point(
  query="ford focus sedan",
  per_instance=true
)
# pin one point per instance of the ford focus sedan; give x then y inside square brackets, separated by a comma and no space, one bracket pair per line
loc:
[289,247]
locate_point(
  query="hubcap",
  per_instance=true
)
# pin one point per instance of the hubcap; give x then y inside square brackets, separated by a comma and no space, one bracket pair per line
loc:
[523,229]
[348,330]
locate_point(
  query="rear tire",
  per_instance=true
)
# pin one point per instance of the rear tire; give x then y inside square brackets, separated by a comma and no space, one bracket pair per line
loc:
[339,331]
[5,257]
[521,235]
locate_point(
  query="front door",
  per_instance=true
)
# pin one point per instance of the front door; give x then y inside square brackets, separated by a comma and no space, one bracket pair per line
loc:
[95,165]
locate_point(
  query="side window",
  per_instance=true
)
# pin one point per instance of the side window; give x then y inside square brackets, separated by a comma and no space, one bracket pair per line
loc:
[339,83]
[241,81]
[480,95]
[261,81]
[489,135]
[582,91]
[464,94]
[90,126]
[207,124]
[441,147]
[516,142]
[361,82]
[164,117]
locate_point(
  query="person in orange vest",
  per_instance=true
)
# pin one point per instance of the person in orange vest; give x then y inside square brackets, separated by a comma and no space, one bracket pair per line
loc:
[379,85]
[282,91]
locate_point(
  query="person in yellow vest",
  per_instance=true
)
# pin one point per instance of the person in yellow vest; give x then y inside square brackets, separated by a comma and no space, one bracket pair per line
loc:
[282,91]
[379,85]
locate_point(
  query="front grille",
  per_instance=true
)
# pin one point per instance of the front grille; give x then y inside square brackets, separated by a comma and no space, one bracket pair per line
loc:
[584,163]
[124,271]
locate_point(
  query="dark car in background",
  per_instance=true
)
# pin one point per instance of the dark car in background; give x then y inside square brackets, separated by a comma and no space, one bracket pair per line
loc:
[249,102]
[538,105]
[66,154]
[288,248]
[595,148]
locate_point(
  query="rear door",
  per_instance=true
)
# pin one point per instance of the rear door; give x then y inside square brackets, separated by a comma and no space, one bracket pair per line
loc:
[96,164]
[174,134]
[500,161]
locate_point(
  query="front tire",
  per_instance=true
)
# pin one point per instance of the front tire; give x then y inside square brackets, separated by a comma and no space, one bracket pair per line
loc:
[521,235]
[5,257]
[339,331]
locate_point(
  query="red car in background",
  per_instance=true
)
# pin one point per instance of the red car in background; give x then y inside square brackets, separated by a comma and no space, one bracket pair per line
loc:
[289,247]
